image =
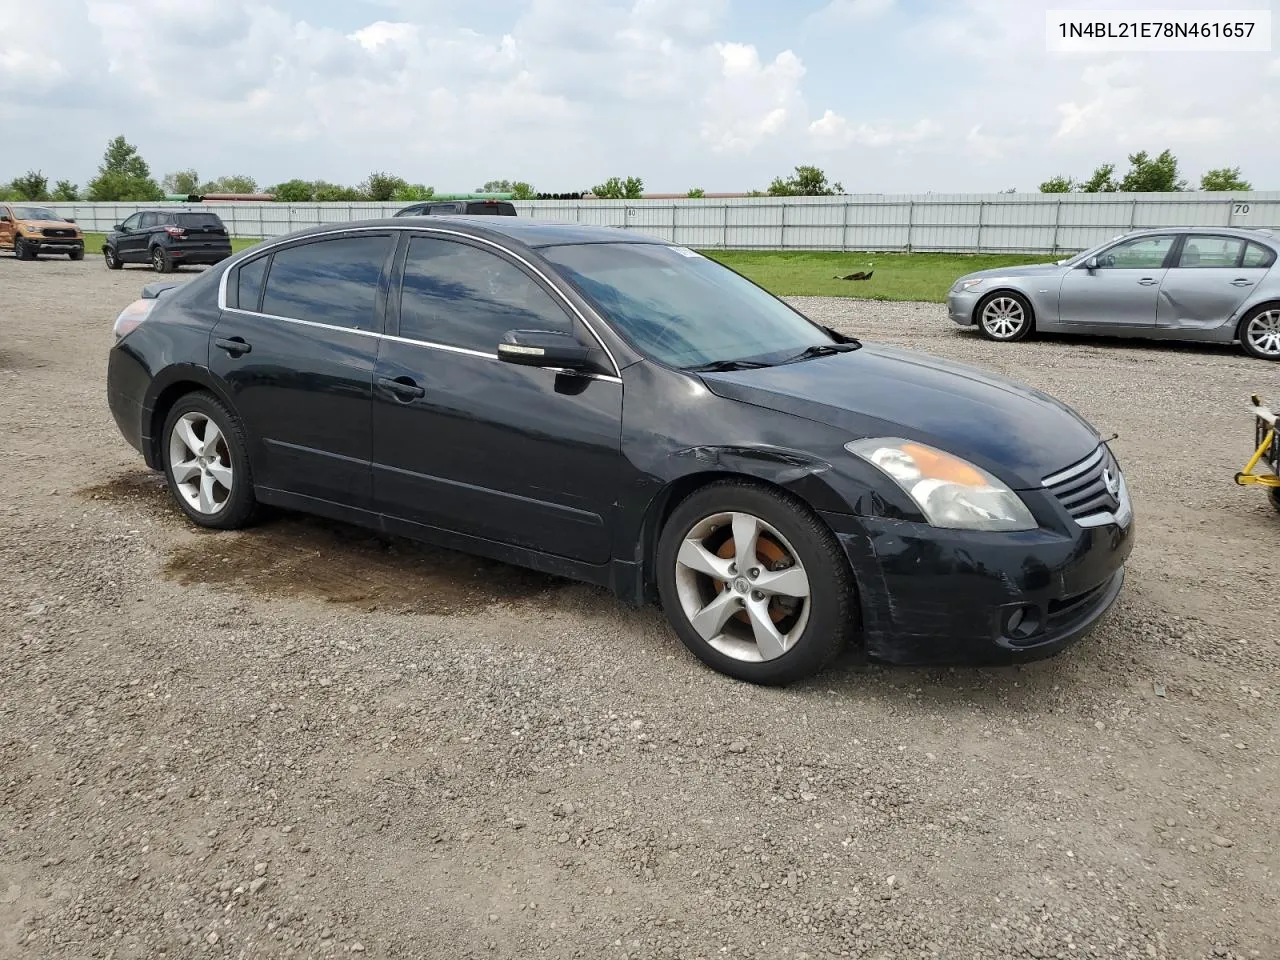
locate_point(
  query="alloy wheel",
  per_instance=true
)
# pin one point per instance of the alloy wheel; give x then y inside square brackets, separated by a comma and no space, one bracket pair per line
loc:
[1263,333]
[157,260]
[1004,317]
[742,587]
[201,463]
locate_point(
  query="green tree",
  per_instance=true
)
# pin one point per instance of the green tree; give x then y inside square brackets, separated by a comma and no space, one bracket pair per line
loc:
[1152,174]
[181,181]
[615,188]
[1225,180]
[383,186]
[520,190]
[1058,185]
[123,175]
[325,192]
[32,185]
[696,193]
[1102,181]
[293,191]
[66,191]
[413,193]
[807,181]
[497,186]
[233,183]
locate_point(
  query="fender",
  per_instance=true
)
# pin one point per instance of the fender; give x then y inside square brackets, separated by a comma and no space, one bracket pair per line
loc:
[167,385]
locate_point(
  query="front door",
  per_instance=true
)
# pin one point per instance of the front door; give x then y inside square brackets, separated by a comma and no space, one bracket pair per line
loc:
[465,442]
[304,385]
[1121,292]
[6,226]
[1209,280]
[131,242]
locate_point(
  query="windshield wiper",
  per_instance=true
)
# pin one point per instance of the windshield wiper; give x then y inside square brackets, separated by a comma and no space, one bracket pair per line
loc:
[822,350]
[722,366]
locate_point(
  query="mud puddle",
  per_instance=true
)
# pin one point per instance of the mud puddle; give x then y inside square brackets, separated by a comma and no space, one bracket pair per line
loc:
[291,555]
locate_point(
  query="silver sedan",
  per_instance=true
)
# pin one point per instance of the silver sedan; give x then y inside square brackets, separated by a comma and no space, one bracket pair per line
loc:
[1211,284]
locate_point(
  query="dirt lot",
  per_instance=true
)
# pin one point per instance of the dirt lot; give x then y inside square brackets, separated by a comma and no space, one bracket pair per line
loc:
[303,741]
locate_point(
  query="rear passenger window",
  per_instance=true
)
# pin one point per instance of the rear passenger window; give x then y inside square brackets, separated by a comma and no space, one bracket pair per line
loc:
[249,284]
[1258,256]
[333,282]
[456,295]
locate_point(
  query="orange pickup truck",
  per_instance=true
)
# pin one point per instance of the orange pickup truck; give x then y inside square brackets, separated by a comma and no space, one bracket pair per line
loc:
[30,230]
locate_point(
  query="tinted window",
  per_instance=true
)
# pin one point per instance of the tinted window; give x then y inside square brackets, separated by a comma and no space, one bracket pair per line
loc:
[463,297]
[680,307]
[198,220]
[132,222]
[1210,252]
[489,208]
[149,220]
[249,285]
[1258,256]
[1144,253]
[328,281]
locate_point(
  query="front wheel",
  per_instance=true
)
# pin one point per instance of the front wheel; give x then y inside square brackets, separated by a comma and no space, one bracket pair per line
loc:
[111,258]
[754,583]
[160,260]
[206,463]
[1005,317]
[22,250]
[76,254]
[1260,333]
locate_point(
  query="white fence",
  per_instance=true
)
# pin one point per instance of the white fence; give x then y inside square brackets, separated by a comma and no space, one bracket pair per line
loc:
[958,223]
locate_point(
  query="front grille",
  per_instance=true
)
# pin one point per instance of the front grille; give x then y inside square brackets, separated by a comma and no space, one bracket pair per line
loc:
[55,232]
[1082,487]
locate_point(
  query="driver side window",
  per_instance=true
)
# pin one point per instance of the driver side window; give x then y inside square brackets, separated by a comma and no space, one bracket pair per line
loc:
[1143,253]
[132,222]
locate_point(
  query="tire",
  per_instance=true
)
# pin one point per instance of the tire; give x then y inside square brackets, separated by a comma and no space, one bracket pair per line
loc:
[815,629]
[1260,332]
[22,251]
[76,254]
[1274,493]
[220,499]
[1004,317]
[160,260]
[112,259]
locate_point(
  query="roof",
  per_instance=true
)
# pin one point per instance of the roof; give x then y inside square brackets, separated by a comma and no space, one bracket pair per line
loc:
[524,230]
[1250,233]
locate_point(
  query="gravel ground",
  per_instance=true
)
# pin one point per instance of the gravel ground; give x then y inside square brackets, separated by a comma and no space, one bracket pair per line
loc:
[304,741]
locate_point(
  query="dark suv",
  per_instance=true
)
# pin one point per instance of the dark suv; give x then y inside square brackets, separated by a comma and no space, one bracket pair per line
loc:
[470,208]
[167,239]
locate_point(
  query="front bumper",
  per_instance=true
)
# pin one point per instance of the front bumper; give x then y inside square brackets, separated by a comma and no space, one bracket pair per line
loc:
[951,597]
[52,244]
[960,307]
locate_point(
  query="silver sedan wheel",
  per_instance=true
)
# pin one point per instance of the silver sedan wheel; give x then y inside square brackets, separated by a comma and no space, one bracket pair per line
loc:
[742,587]
[201,463]
[1004,317]
[1263,333]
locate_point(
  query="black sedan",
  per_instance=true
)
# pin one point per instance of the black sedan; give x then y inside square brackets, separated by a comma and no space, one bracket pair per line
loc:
[608,407]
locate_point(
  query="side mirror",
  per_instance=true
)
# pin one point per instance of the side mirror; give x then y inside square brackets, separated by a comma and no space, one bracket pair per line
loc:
[120,228]
[4,218]
[544,348]
[1091,263]
[69,220]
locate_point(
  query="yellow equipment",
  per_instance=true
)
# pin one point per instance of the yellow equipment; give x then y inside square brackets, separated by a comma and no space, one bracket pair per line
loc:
[1267,452]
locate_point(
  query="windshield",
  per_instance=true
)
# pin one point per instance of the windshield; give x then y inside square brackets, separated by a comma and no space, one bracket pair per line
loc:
[35,213]
[681,308]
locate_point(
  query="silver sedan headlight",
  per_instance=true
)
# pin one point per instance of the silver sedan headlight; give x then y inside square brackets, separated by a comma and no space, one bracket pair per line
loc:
[963,285]
[949,491]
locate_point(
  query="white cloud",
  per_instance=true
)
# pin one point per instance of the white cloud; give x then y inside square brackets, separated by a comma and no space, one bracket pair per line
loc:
[850,11]
[833,129]
[751,100]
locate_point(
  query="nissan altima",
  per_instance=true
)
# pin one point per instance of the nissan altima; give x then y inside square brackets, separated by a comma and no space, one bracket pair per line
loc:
[611,408]
[1209,284]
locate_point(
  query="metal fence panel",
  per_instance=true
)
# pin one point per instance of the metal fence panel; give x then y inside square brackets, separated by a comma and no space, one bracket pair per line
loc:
[962,223]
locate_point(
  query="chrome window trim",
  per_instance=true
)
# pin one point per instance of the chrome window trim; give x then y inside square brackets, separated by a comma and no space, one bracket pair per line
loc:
[407,228]
[306,323]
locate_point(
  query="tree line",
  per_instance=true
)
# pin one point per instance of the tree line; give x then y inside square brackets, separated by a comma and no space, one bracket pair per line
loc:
[124,176]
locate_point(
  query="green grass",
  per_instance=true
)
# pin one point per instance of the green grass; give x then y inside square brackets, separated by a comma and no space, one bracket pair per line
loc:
[897,276]
[811,273]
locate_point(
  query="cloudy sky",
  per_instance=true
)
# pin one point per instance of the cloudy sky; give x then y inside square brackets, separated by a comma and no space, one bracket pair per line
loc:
[885,95]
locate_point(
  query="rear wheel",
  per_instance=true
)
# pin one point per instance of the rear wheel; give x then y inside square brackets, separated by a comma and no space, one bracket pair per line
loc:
[754,583]
[1004,317]
[206,463]
[1260,333]
[160,260]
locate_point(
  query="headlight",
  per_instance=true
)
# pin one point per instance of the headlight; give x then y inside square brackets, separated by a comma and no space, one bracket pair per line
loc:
[962,285]
[30,229]
[132,315]
[949,491]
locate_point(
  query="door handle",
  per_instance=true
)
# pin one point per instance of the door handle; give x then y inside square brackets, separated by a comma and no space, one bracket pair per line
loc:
[1242,283]
[1147,281]
[402,387]
[233,345]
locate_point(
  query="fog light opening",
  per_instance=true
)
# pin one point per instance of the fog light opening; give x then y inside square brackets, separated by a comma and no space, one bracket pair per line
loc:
[1022,622]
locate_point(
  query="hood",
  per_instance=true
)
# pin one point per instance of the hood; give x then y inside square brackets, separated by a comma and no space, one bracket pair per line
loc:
[50,224]
[1031,270]
[1019,434]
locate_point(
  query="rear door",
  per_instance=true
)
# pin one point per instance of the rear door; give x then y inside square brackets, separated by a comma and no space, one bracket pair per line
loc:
[1211,277]
[296,349]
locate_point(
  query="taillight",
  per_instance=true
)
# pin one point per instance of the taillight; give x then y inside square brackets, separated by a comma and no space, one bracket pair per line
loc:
[175,231]
[132,315]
